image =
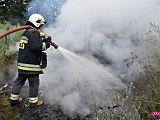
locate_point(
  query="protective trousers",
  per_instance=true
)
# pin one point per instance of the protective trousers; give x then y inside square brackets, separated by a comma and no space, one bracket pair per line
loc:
[33,84]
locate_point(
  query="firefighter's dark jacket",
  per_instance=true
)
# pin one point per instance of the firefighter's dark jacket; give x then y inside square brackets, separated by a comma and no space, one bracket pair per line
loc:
[29,55]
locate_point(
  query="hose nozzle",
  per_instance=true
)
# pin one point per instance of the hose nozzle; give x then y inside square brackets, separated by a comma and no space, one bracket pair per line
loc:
[54,45]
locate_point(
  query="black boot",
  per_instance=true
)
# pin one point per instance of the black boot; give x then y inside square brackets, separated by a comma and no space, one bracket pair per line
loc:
[39,103]
[15,102]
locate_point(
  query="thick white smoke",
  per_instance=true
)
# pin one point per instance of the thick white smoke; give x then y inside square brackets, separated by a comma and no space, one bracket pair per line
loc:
[101,28]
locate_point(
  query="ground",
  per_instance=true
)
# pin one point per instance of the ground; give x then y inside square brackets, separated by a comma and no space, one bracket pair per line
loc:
[24,112]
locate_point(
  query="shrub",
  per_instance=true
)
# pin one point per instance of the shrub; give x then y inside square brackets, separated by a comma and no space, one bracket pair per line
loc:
[142,96]
[8,57]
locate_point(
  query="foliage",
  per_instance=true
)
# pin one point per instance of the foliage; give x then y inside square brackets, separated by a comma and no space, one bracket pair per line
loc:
[123,107]
[142,96]
[7,56]
[12,9]
[148,84]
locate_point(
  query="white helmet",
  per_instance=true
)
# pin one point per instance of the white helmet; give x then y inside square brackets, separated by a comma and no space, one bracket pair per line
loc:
[37,20]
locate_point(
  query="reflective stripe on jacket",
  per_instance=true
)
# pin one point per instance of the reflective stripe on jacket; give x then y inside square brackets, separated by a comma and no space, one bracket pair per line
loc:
[29,67]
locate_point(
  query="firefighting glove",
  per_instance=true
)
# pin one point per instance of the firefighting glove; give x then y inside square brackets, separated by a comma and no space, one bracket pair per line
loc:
[47,39]
[47,44]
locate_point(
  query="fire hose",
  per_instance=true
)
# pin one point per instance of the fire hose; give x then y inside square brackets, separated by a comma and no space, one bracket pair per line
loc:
[21,28]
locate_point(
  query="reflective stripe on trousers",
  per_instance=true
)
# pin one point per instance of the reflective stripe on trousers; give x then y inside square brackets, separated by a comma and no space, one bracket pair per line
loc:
[33,100]
[33,85]
[14,97]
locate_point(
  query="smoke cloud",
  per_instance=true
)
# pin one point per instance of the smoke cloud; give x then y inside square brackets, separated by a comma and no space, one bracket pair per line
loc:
[104,33]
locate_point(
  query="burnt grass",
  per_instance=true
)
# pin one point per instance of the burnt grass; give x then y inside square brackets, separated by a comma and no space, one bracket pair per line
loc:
[24,112]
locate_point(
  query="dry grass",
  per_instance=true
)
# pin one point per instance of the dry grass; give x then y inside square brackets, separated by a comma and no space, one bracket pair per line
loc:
[143,94]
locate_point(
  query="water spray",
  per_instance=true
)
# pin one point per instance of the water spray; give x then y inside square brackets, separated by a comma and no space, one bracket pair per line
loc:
[22,28]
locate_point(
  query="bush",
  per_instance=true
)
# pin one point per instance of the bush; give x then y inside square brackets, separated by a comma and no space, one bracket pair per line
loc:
[8,57]
[142,96]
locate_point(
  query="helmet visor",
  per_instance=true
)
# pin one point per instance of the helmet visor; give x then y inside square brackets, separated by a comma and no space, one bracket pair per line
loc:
[41,21]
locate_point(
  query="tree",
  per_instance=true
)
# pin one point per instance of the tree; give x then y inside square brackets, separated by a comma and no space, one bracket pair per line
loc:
[12,9]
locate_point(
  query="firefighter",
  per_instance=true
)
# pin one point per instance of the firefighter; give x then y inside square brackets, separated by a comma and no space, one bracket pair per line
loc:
[31,52]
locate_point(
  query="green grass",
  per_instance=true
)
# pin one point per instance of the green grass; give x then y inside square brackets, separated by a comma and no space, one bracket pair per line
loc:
[7,57]
[9,112]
